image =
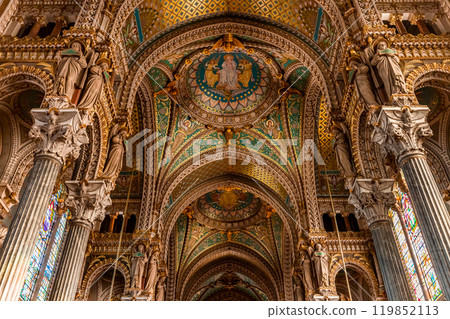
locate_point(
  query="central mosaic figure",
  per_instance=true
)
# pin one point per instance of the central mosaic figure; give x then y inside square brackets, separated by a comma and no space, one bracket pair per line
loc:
[228,82]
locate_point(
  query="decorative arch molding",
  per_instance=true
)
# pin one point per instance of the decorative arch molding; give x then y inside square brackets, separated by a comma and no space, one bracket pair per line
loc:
[215,261]
[240,154]
[203,29]
[127,7]
[362,268]
[308,171]
[95,272]
[439,162]
[242,263]
[8,13]
[265,194]
[414,76]
[149,189]
[15,140]
[36,76]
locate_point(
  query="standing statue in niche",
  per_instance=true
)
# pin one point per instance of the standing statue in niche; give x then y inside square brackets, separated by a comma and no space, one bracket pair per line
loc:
[305,262]
[388,67]
[97,77]
[161,289]
[320,260]
[152,276]
[70,65]
[343,150]
[116,150]
[360,75]
[138,262]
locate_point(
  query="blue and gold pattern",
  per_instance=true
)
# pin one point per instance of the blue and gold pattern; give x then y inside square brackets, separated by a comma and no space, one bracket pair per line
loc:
[224,83]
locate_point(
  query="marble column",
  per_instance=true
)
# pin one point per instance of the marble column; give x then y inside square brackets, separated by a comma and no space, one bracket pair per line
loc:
[58,134]
[87,201]
[372,200]
[400,129]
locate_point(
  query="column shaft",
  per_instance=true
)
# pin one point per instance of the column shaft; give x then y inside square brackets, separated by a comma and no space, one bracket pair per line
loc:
[432,216]
[390,262]
[71,264]
[19,243]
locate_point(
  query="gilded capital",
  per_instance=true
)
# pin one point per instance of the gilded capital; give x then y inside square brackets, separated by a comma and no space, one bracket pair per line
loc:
[401,130]
[87,201]
[58,133]
[372,199]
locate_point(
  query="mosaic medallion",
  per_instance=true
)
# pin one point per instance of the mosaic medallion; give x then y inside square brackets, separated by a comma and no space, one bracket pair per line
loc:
[227,88]
[228,206]
[228,82]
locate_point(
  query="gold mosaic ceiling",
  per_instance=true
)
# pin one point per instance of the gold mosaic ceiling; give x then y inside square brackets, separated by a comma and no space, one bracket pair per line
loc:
[153,16]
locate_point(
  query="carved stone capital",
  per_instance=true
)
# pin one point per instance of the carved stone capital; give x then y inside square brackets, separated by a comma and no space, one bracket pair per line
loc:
[372,199]
[59,133]
[401,130]
[57,102]
[87,201]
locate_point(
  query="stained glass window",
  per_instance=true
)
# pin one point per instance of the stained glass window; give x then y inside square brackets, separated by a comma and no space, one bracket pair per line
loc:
[40,249]
[415,236]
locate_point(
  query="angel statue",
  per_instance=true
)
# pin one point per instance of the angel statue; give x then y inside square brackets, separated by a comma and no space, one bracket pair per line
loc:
[116,150]
[320,260]
[70,65]
[343,150]
[388,66]
[138,262]
[152,276]
[96,79]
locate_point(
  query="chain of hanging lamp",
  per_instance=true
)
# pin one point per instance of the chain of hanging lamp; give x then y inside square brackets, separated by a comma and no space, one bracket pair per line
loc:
[338,234]
[120,237]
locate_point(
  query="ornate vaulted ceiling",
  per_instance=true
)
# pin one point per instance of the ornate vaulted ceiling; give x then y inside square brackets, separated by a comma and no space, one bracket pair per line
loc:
[227,182]
[152,17]
[233,228]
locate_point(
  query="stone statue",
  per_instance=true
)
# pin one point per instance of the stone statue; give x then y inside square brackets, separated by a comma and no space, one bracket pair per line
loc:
[161,289]
[138,262]
[320,260]
[94,84]
[152,272]
[70,65]
[305,262]
[116,150]
[343,150]
[388,66]
[360,74]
